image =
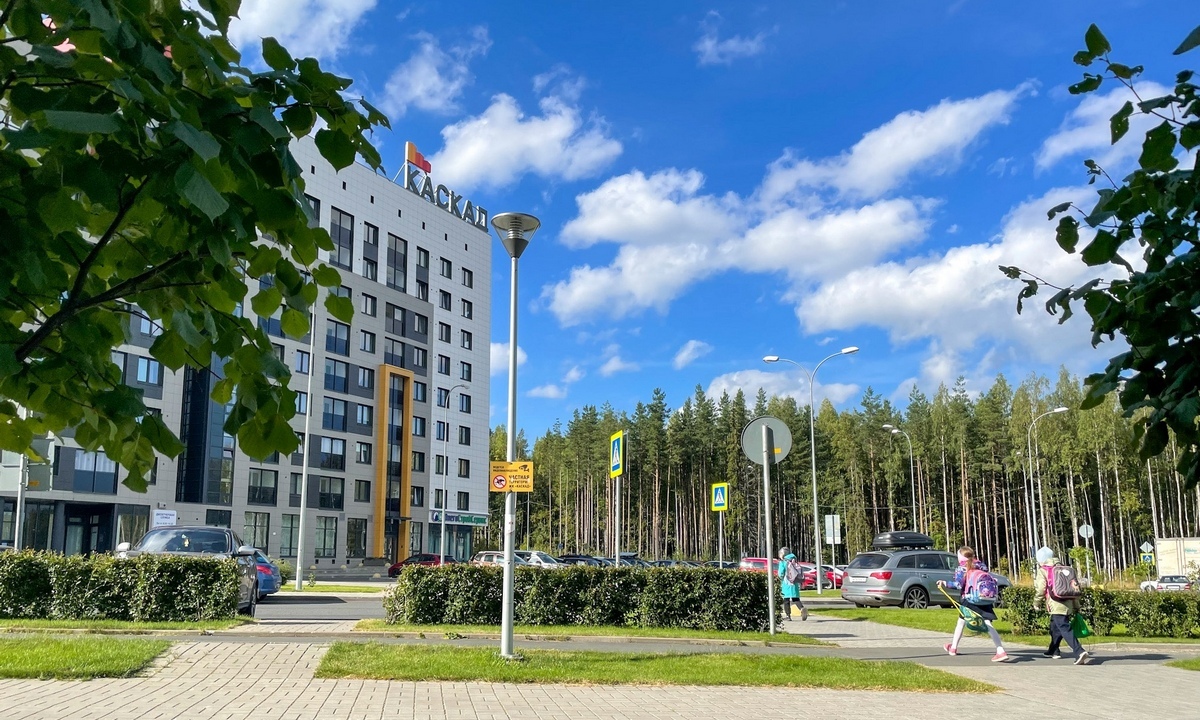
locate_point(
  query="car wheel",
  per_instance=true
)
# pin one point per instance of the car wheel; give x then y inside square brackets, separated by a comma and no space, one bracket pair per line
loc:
[253,606]
[916,598]
[261,597]
[859,605]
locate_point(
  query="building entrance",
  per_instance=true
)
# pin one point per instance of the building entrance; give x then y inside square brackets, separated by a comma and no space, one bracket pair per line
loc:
[89,528]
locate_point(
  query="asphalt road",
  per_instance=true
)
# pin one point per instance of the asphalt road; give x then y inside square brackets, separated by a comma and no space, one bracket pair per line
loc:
[283,606]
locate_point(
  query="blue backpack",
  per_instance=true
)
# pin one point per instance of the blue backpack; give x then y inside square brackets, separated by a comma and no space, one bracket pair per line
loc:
[980,588]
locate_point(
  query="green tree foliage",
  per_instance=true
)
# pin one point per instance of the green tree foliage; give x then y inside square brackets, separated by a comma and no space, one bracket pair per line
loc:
[1153,306]
[146,175]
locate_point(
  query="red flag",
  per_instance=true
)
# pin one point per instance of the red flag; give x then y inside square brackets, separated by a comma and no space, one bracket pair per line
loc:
[412,156]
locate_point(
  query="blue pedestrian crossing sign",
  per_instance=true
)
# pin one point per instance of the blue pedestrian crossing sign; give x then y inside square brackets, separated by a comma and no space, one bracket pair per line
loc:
[616,445]
[720,497]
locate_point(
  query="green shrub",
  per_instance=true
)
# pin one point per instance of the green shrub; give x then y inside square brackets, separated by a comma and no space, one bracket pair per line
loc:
[1144,614]
[184,589]
[99,587]
[287,573]
[24,585]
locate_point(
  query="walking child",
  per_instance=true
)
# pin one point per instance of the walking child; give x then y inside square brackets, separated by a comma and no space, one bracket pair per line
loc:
[979,595]
[1058,589]
[791,577]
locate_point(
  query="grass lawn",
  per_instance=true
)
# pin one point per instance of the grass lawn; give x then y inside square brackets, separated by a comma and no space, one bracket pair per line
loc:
[331,588]
[20,625]
[562,631]
[423,662]
[76,658]
[943,619]
[1190,664]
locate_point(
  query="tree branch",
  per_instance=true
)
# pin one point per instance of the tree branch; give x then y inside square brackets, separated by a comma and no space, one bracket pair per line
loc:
[7,12]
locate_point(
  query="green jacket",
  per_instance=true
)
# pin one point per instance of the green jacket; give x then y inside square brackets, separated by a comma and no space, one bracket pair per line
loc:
[1040,597]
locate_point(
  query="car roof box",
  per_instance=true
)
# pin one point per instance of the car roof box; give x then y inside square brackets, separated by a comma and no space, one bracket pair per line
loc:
[899,539]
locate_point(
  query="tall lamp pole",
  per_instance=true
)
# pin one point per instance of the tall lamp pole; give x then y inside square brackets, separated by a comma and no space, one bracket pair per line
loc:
[1038,540]
[912,475]
[812,438]
[515,231]
[446,470]
[308,411]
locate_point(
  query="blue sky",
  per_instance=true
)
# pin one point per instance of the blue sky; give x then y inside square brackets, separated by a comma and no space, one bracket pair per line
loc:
[722,181]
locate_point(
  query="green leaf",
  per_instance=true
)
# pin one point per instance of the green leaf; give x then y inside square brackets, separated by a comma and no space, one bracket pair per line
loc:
[341,308]
[1119,123]
[1084,58]
[1096,43]
[1059,208]
[1158,149]
[199,192]
[294,323]
[1101,249]
[1086,85]
[81,122]
[222,392]
[276,56]
[1191,41]
[327,276]
[1067,233]
[201,142]
[266,302]
[335,147]
[1124,71]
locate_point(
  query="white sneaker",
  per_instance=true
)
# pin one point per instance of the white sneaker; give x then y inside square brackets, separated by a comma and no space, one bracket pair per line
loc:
[803,613]
[1083,658]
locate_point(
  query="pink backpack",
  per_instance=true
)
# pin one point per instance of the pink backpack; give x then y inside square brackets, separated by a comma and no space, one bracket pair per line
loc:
[1062,583]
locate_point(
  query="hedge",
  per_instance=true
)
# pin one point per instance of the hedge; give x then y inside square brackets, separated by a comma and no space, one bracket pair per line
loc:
[1144,614]
[146,588]
[696,598]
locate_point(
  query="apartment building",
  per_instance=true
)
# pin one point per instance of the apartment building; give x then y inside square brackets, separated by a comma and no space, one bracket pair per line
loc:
[393,406]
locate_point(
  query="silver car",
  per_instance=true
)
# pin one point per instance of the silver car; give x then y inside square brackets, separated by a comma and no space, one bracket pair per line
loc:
[907,578]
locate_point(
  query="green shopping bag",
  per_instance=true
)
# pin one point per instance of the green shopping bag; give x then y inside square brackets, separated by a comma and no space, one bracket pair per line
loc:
[1079,626]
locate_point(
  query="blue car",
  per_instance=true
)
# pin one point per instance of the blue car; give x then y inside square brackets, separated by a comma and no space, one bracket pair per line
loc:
[269,579]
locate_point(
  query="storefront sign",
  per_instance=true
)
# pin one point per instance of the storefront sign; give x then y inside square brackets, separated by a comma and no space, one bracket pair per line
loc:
[418,181]
[164,518]
[435,516]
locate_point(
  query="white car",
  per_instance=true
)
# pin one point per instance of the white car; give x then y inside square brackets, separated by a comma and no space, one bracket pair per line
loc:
[1167,583]
[537,558]
[496,557]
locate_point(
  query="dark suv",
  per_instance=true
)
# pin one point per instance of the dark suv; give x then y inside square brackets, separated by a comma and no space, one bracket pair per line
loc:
[902,568]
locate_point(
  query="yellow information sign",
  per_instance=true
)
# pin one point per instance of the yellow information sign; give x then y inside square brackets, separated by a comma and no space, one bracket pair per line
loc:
[511,476]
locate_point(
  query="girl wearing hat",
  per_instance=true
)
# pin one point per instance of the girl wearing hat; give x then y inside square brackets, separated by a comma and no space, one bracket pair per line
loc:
[971,577]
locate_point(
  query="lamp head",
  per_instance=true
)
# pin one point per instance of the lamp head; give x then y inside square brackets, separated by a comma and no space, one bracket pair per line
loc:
[849,350]
[1059,410]
[888,426]
[515,231]
[895,431]
[771,358]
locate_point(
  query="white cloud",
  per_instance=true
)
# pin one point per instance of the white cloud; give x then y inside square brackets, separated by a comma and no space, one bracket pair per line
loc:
[792,384]
[1085,132]
[434,78]
[711,50]
[1002,166]
[574,375]
[549,392]
[499,358]
[501,145]
[615,365]
[691,351]
[319,28]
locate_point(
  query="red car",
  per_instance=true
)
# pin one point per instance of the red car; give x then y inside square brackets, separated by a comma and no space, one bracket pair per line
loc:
[753,564]
[427,559]
[833,577]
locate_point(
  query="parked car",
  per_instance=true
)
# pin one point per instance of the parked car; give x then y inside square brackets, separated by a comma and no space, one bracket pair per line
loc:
[1168,583]
[203,541]
[579,559]
[538,558]
[753,564]
[903,569]
[269,577]
[725,565]
[496,557]
[426,559]
[831,578]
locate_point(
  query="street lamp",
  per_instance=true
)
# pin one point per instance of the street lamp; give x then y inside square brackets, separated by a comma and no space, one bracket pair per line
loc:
[446,470]
[308,410]
[515,231]
[912,475]
[1029,451]
[812,439]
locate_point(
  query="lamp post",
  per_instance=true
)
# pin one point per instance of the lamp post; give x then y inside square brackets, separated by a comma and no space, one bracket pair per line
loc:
[812,439]
[515,231]
[1038,540]
[912,475]
[308,403]
[446,471]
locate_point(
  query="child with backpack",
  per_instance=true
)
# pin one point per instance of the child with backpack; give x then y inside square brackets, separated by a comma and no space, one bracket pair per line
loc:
[979,595]
[1058,588]
[791,577]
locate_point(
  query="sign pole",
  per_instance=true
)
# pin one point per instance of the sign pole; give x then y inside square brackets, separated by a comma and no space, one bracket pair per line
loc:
[768,451]
[616,468]
[721,540]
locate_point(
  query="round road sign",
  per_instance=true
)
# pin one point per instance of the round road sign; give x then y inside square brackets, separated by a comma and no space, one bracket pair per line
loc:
[499,482]
[1086,531]
[752,439]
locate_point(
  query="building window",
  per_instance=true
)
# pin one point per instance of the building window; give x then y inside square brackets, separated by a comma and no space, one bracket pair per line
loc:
[464,435]
[219,518]
[466,340]
[315,205]
[370,269]
[397,263]
[295,487]
[468,278]
[440,430]
[464,371]
[464,501]
[257,531]
[393,319]
[330,493]
[340,291]
[437,499]
[362,491]
[95,473]
[302,361]
[464,403]
[326,537]
[364,415]
[337,337]
[356,537]
[289,535]
[337,375]
[444,332]
[443,365]
[370,235]
[467,309]
[341,229]
[262,487]
[423,291]
[278,351]
[446,268]
[148,327]
[422,258]
[333,415]
[149,371]
[443,397]
[420,391]
[444,300]
[420,357]
[420,324]
[366,378]
[393,352]
[366,341]
[464,468]
[333,454]
[418,426]
[362,453]
[418,461]
[369,305]
[417,496]
[439,464]
[301,402]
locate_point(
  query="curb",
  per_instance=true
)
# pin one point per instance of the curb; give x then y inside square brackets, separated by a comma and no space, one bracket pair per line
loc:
[615,639]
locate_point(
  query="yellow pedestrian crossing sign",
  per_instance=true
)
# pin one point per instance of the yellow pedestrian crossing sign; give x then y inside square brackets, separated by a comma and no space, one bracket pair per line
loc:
[617,453]
[720,497]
